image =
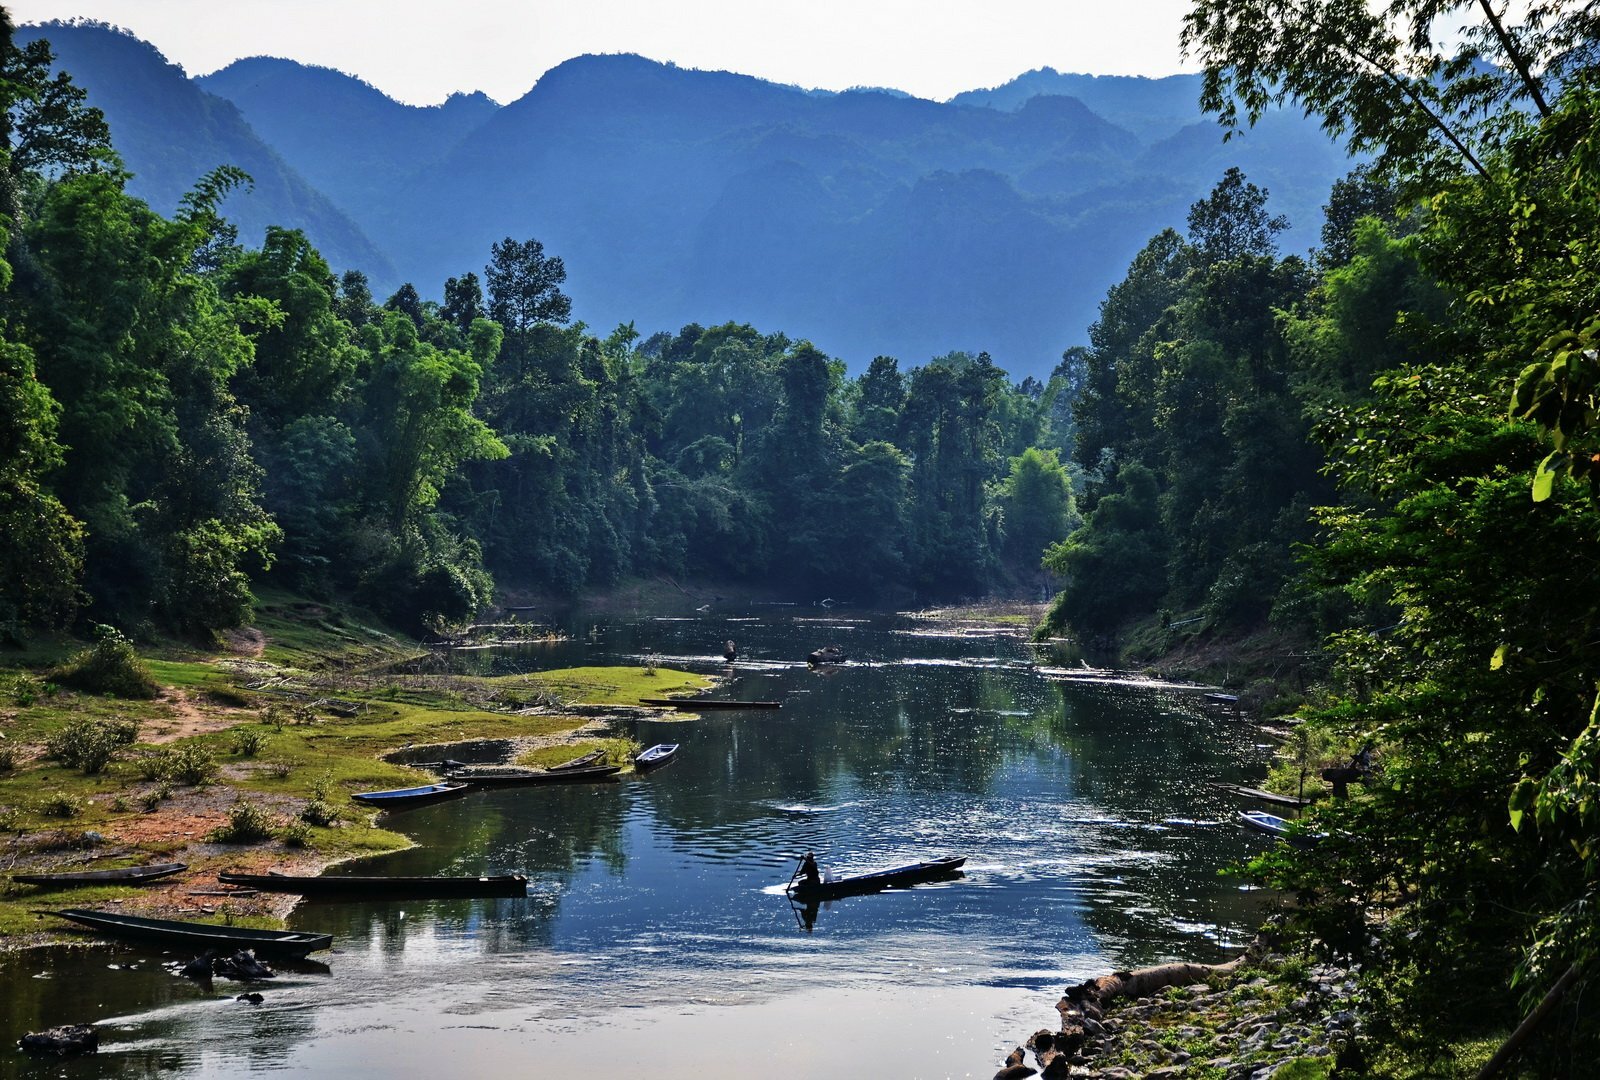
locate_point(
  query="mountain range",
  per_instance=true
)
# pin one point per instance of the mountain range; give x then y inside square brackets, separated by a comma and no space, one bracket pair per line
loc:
[869,221]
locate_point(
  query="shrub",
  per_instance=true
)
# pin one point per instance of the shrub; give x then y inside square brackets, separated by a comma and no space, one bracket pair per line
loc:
[62,805]
[248,822]
[26,689]
[110,667]
[191,764]
[320,813]
[281,769]
[89,744]
[247,742]
[8,758]
[296,834]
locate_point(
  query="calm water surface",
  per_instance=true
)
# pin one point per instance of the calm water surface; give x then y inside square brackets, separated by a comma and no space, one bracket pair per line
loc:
[655,934]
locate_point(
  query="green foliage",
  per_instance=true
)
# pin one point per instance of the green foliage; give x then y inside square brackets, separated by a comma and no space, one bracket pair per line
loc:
[248,823]
[61,804]
[89,744]
[111,666]
[248,742]
[8,757]
[296,834]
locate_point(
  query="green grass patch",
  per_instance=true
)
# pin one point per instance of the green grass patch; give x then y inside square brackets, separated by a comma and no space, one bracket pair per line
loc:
[617,752]
[607,685]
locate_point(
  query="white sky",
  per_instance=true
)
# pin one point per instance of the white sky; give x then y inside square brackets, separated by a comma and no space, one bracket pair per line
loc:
[420,51]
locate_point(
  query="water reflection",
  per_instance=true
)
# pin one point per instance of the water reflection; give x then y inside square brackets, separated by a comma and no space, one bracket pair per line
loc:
[1092,836]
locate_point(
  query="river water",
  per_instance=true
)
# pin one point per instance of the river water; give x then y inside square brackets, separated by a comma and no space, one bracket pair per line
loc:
[656,938]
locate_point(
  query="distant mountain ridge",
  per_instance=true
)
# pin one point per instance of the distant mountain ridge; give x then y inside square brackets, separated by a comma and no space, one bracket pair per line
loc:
[170,133]
[869,221]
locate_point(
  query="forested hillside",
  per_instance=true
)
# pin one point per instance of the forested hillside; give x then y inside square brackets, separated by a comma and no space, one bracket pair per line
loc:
[1391,445]
[870,222]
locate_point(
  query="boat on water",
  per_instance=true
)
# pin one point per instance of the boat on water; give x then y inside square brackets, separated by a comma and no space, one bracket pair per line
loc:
[655,757]
[197,935]
[896,877]
[125,875]
[382,888]
[704,704]
[1273,825]
[403,798]
[590,758]
[828,654]
[528,777]
[1262,796]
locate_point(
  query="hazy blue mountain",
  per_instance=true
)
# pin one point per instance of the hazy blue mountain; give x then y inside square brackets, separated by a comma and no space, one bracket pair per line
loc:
[305,111]
[1151,108]
[869,221]
[170,133]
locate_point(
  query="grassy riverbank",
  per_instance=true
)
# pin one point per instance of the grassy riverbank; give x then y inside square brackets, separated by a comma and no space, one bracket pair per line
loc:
[245,756]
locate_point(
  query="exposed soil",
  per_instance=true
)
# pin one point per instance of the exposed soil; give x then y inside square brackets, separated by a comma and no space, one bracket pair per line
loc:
[191,718]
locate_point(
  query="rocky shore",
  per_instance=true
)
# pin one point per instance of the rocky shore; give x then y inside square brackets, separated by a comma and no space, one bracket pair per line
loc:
[1258,1017]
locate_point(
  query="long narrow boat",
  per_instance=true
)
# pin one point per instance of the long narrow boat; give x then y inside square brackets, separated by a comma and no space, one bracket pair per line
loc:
[704,704]
[586,774]
[1273,825]
[197,935]
[1262,796]
[655,757]
[126,875]
[403,798]
[579,762]
[382,888]
[897,877]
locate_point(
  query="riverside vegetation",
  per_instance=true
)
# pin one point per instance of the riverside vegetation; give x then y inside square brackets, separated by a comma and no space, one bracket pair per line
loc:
[1387,447]
[230,761]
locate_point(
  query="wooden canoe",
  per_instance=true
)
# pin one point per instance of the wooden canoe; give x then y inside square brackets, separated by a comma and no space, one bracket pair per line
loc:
[897,877]
[705,704]
[579,762]
[404,798]
[382,888]
[126,875]
[198,936]
[1262,796]
[655,757]
[583,775]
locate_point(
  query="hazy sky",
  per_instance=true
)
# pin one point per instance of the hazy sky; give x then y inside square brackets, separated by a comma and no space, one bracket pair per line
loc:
[419,51]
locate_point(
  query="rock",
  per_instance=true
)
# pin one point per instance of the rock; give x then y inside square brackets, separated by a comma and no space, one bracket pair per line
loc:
[1017,1056]
[1168,1073]
[1042,1040]
[242,966]
[251,998]
[199,968]
[62,1041]
[1015,1072]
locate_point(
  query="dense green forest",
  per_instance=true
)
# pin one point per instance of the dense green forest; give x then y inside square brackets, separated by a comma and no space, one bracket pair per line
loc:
[1389,444]
[186,416]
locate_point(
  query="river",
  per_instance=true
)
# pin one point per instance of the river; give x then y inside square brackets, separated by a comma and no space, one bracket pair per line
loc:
[656,938]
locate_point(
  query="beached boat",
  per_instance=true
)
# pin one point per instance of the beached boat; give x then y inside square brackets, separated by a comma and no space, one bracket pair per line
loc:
[403,798]
[656,756]
[126,875]
[1262,796]
[705,704]
[897,877]
[197,936]
[1273,825]
[382,888]
[579,762]
[526,777]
